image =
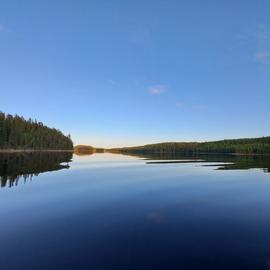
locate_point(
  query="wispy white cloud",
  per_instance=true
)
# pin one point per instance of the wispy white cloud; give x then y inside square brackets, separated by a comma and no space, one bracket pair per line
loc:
[263,34]
[112,82]
[195,108]
[262,37]
[3,28]
[139,34]
[258,39]
[157,89]
[200,108]
[180,105]
[263,57]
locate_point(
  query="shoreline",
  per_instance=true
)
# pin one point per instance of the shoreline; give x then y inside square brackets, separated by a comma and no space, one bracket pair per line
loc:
[189,154]
[10,151]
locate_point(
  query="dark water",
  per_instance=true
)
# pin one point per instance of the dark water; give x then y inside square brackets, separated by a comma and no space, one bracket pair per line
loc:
[107,211]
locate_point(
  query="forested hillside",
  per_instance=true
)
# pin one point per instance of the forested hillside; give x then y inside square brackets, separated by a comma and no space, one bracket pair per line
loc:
[241,146]
[18,133]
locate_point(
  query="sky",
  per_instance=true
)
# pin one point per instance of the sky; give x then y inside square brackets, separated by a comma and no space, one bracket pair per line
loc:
[123,73]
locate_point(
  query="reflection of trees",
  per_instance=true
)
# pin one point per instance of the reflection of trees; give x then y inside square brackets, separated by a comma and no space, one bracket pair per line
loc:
[235,162]
[16,166]
[248,162]
[79,152]
[82,150]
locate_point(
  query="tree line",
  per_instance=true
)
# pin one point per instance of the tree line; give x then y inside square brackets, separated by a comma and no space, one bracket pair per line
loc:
[19,133]
[241,146]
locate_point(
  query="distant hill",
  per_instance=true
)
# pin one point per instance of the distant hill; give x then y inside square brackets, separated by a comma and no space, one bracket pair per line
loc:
[235,146]
[87,150]
[84,149]
[19,133]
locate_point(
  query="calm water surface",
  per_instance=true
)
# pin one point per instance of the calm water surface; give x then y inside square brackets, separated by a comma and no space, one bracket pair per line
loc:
[108,211]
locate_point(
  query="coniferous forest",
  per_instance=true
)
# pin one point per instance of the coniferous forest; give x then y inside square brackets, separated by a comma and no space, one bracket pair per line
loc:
[260,146]
[19,133]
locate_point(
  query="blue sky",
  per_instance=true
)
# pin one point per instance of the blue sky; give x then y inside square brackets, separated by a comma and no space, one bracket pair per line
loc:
[116,73]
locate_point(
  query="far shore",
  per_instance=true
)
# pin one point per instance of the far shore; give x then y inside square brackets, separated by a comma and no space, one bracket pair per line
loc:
[9,151]
[32,150]
[181,153]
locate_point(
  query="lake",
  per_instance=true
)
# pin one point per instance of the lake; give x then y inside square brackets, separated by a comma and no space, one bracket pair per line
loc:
[111,211]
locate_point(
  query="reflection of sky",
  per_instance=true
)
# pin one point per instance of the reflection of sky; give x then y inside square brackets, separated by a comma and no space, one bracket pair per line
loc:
[96,207]
[103,160]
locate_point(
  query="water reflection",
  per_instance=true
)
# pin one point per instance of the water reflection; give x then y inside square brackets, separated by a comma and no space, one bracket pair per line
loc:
[83,152]
[136,215]
[219,162]
[16,166]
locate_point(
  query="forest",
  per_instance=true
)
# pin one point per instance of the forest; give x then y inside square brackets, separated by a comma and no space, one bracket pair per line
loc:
[235,146]
[19,133]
